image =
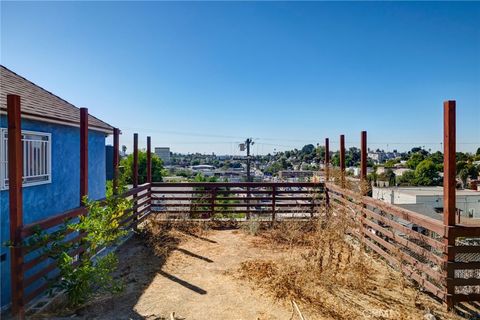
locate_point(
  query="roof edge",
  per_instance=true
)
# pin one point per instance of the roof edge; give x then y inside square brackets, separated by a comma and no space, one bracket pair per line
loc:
[56,96]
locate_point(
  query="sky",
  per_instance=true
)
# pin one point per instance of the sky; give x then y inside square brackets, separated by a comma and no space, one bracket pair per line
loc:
[204,76]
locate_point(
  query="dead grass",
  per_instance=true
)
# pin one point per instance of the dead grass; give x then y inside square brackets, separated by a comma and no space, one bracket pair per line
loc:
[164,236]
[329,273]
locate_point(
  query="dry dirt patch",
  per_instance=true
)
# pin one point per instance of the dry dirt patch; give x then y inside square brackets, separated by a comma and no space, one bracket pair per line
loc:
[229,274]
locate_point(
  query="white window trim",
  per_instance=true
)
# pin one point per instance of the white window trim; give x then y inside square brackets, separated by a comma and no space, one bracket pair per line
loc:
[4,169]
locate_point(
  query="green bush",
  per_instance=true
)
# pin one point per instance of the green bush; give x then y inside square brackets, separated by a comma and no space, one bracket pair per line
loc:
[81,277]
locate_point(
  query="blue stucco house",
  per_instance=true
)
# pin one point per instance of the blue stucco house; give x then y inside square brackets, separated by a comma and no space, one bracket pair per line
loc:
[51,170]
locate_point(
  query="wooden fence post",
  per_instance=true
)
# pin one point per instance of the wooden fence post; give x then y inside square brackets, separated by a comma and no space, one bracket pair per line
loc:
[327,173]
[274,193]
[213,197]
[15,166]
[149,160]
[327,159]
[116,150]
[363,178]
[83,154]
[342,160]
[449,193]
[135,160]
[363,160]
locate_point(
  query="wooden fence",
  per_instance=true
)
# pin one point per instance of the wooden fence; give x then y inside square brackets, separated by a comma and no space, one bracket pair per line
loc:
[39,270]
[416,244]
[32,270]
[264,200]
[441,256]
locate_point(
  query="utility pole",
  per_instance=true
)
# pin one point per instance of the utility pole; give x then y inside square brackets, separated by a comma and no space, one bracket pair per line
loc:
[247,144]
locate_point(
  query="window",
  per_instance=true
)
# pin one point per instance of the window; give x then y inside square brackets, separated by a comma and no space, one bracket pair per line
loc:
[37,163]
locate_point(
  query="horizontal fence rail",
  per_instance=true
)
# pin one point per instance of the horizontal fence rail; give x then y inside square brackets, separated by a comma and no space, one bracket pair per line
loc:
[415,243]
[263,200]
[40,271]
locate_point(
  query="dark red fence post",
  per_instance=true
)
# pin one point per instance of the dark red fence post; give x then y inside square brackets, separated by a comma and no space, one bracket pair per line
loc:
[83,153]
[342,160]
[449,192]
[363,160]
[363,176]
[15,165]
[116,149]
[327,171]
[135,160]
[327,159]
[274,195]
[213,197]
[149,160]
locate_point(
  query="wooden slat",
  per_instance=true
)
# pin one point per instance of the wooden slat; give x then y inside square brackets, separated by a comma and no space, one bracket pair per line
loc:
[32,263]
[439,292]
[35,293]
[238,184]
[465,249]
[50,222]
[466,297]
[407,258]
[435,243]
[460,282]
[41,289]
[463,231]
[464,265]
[40,274]
[136,190]
[405,243]
[407,215]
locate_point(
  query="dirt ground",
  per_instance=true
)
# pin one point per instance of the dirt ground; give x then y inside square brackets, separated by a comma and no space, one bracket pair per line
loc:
[194,282]
[198,281]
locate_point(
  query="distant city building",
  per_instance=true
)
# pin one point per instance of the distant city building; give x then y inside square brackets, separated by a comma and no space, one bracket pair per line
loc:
[206,170]
[429,200]
[356,171]
[164,154]
[382,156]
[295,174]
[396,170]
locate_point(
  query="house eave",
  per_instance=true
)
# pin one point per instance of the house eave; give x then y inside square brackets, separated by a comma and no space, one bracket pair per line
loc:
[62,122]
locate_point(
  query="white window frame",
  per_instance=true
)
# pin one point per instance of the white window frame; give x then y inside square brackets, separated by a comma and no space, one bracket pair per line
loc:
[4,159]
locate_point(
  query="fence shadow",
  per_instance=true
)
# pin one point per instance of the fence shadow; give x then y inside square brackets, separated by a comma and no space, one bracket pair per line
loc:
[184,283]
[138,266]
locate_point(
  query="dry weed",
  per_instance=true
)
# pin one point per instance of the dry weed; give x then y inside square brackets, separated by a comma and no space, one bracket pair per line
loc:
[329,273]
[164,236]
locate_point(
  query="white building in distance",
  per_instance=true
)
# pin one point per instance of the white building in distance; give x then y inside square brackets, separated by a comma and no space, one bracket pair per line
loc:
[164,154]
[429,200]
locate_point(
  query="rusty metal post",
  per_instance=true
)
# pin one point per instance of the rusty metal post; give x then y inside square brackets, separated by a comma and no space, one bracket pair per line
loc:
[83,154]
[449,193]
[149,160]
[135,160]
[15,166]
[116,150]
[342,160]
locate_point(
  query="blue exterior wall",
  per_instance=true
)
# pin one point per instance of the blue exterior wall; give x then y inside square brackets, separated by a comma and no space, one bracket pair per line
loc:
[63,192]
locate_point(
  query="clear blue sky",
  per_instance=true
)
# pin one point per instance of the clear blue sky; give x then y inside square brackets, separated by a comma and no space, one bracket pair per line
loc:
[203,76]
